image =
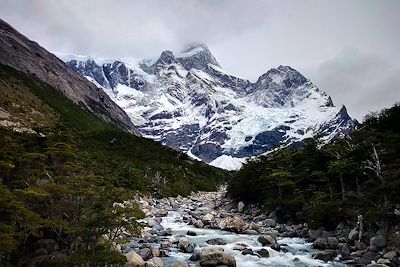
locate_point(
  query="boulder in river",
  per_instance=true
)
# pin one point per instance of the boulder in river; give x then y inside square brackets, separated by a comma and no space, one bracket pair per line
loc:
[183,242]
[185,246]
[191,233]
[320,243]
[248,251]
[215,256]
[263,253]
[235,224]
[326,255]
[266,240]
[198,224]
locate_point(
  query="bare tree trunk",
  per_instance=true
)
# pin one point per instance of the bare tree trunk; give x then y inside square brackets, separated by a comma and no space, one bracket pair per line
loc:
[376,167]
[360,224]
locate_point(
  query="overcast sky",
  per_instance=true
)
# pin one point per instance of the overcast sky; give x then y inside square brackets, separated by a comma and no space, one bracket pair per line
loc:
[350,49]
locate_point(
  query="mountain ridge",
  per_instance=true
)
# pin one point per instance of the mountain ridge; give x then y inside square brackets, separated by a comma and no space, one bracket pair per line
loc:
[187,102]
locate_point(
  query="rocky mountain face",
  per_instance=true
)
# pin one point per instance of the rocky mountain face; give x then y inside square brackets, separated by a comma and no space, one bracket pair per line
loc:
[188,102]
[22,54]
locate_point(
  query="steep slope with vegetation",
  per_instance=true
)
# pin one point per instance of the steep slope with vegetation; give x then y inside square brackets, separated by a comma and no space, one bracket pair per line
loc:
[356,175]
[59,182]
[29,57]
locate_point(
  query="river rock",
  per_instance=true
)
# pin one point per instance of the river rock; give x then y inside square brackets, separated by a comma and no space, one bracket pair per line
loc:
[191,233]
[240,206]
[166,232]
[207,218]
[345,250]
[134,260]
[154,262]
[383,261]
[185,246]
[190,248]
[333,242]
[254,227]
[270,223]
[198,224]
[157,227]
[320,243]
[172,240]
[314,234]
[145,253]
[390,255]
[248,251]
[326,255]
[378,241]
[155,252]
[212,257]
[232,223]
[360,246]
[263,253]
[266,240]
[216,241]
[366,258]
[151,222]
[196,255]
[162,212]
[183,242]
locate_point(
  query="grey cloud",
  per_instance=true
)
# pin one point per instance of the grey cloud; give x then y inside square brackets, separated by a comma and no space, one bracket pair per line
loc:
[367,81]
[247,37]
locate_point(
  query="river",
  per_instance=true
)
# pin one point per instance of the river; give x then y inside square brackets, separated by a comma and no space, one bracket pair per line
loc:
[175,213]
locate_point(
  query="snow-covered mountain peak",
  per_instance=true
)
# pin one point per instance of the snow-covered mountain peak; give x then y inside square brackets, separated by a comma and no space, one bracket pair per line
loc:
[194,56]
[197,56]
[188,102]
[284,76]
[286,87]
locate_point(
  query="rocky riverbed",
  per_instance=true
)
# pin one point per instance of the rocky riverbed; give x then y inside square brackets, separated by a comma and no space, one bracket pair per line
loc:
[207,229]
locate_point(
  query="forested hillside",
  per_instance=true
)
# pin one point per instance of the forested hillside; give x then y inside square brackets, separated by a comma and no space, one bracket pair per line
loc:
[62,170]
[356,175]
